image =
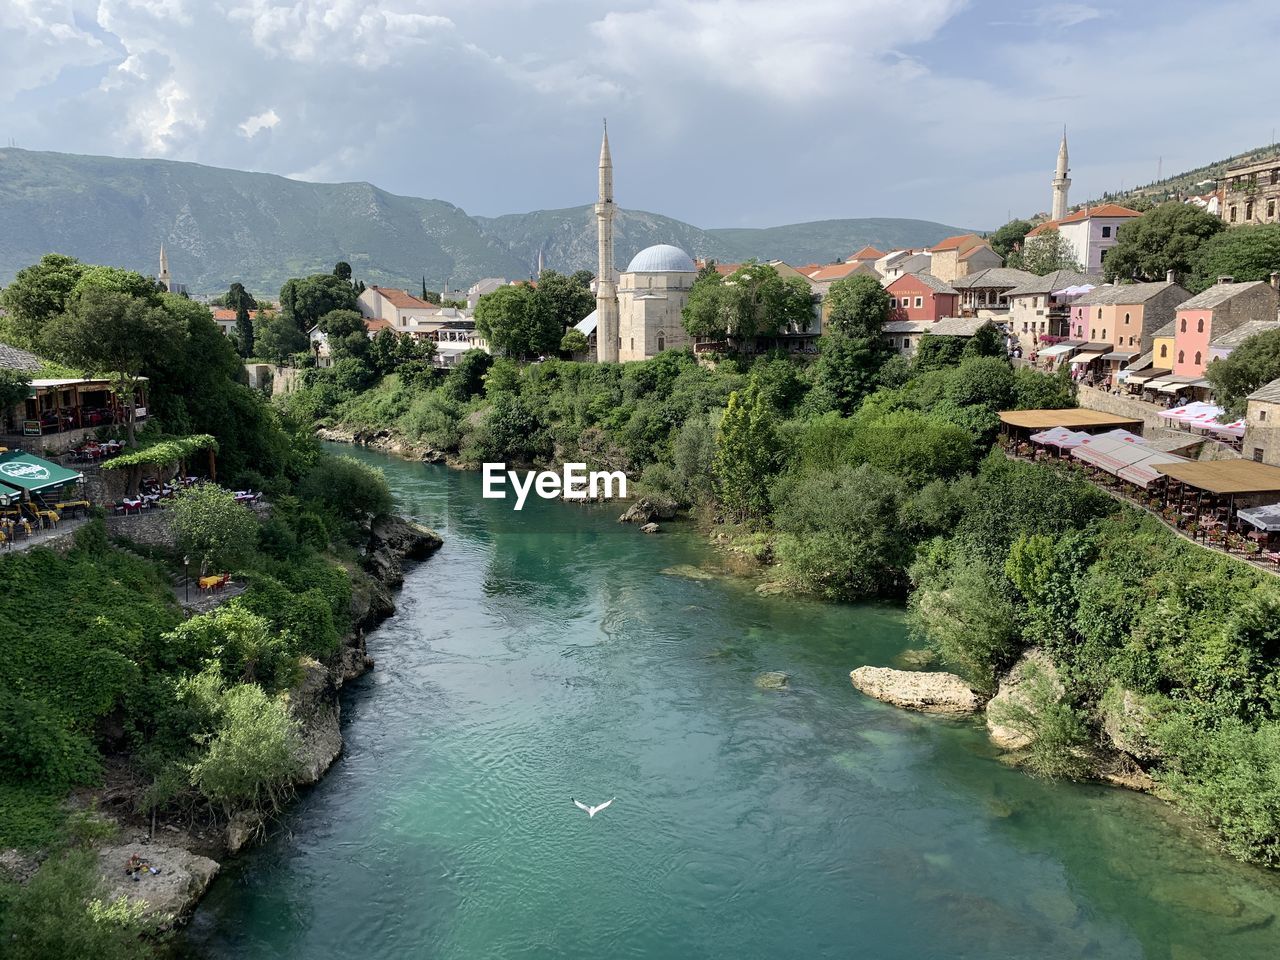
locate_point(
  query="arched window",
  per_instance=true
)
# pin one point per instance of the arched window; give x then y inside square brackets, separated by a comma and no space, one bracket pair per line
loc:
[1099,313]
[1182,355]
[1104,333]
[1184,324]
[1200,325]
[1093,333]
[1126,319]
[1197,358]
[662,343]
[1164,350]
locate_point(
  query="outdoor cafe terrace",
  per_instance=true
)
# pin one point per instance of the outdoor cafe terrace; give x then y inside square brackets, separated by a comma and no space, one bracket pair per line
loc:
[1228,505]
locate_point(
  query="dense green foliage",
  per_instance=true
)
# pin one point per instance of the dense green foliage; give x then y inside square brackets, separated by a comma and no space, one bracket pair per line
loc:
[1250,252]
[857,306]
[1044,253]
[1253,364]
[211,527]
[518,322]
[1165,238]
[753,301]
[1009,238]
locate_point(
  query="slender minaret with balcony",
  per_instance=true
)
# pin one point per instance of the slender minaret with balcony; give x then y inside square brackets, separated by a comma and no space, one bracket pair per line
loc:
[607,342]
[1061,182]
[165,278]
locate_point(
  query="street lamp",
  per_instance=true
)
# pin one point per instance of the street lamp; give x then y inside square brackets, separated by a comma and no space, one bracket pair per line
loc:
[186,576]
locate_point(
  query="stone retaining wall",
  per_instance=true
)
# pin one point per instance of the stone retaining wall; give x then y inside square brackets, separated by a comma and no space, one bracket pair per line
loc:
[150,528]
[1154,427]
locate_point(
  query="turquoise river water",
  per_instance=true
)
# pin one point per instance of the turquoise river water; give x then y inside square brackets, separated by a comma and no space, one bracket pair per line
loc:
[552,653]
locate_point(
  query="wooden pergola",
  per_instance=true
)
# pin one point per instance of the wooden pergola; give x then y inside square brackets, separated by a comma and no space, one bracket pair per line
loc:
[1020,424]
[1220,484]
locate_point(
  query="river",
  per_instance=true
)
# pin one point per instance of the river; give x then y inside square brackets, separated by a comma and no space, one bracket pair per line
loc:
[551,654]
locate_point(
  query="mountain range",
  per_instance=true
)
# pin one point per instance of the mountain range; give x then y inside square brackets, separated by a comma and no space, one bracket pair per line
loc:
[220,226]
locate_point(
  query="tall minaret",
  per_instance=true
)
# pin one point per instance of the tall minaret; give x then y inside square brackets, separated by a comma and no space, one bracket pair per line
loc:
[165,279]
[540,266]
[1061,181]
[607,342]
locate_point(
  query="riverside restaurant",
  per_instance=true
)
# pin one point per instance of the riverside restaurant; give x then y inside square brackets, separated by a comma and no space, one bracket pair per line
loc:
[60,412]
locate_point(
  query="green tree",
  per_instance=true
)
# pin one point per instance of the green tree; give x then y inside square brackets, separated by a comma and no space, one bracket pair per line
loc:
[858,306]
[916,446]
[1252,364]
[703,313]
[14,387]
[1009,239]
[1165,238]
[1245,253]
[37,294]
[845,372]
[349,487]
[342,270]
[987,341]
[758,302]
[305,300]
[574,341]
[1046,252]
[937,352]
[518,322]
[747,452]
[276,337]
[347,333]
[211,527]
[116,280]
[115,334]
[567,299]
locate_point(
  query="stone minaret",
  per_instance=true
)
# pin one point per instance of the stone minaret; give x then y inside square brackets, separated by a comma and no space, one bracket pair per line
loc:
[1061,181]
[165,279]
[607,342]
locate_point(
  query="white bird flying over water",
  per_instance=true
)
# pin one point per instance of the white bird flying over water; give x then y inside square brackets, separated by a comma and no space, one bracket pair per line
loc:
[592,811]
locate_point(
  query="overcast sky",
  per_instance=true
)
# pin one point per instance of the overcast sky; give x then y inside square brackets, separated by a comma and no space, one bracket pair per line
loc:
[722,112]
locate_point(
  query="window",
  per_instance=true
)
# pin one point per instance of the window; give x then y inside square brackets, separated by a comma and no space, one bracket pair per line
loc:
[1200,325]
[1099,313]
[1131,341]
[1233,213]
[1104,333]
[1262,414]
[1271,209]
[1093,333]
[1106,233]
[1248,211]
[1182,356]
[893,303]
[662,343]
[633,343]
[1126,319]
[1197,358]
[1257,454]
[1184,324]
[1164,350]
[919,301]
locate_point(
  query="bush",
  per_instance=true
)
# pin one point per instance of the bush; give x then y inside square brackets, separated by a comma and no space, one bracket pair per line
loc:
[62,912]
[252,757]
[244,645]
[348,487]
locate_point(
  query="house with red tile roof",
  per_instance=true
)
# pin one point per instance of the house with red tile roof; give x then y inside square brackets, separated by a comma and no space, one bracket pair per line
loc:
[961,255]
[390,307]
[1090,232]
[226,319]
[922,296]
[867,254]
[1213,313]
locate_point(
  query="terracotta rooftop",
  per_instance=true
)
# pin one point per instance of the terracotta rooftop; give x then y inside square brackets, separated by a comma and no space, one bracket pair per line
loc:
[961,242]
[866,253]
[833,271]
[403,299]
[1105,211]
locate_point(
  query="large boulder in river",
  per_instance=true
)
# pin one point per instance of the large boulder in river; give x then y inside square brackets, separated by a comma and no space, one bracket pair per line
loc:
[1033,679]
[650,508]
[917,690]
[165,896]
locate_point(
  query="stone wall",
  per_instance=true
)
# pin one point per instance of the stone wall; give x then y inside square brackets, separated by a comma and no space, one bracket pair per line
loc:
[1154,427]
[149,528]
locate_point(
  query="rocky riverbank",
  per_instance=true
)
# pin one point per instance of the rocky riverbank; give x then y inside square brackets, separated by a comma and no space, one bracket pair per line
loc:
[187,858]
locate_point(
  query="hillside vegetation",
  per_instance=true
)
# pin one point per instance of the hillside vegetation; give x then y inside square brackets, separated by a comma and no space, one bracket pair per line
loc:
[223,225]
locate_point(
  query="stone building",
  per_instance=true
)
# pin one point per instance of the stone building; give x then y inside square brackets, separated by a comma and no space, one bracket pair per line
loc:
[1261,441]
[1125,315]
[960,256]
[1040,308]
[1250,193]
[985,293]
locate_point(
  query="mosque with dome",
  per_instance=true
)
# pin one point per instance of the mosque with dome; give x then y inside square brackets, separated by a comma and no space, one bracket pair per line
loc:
[638,312]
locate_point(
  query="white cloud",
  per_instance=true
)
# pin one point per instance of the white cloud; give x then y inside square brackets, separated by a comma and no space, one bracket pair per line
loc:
[266,120]
[1064,15]
[38,40]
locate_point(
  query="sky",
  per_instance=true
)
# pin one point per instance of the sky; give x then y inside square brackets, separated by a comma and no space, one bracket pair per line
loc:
[721,113]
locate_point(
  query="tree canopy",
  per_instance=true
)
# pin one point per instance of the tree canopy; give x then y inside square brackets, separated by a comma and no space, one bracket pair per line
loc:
[1044,253]
[518,322]
[753,301]
[1009,238]
[1246,253]
[567,298]
[305,300]
[38,293]
[857,306]
[1163,239]
[1252,364]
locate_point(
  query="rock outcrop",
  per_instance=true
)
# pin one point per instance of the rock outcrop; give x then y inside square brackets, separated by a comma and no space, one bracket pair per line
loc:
[917,690]
[313,702]
[1125,721]
[1014,698]
[650,528]
[649,509]
[167,896]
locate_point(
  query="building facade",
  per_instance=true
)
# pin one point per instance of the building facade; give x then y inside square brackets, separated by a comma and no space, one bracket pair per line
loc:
[1126,315]
[1217,311]
[921,296]
[1250,193]
[957,257]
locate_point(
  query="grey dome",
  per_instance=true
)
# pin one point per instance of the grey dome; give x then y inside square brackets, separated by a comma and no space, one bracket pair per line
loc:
[661,258]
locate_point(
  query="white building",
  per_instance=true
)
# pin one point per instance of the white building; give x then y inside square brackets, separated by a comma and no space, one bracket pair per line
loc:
[1089,233]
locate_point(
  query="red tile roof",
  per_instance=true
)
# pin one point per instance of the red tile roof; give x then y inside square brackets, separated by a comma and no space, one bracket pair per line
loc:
[961,242]
[374,324]
[724,269]
[833,271]
[809,269]
[403,299]
[224,314]
[867,253]
[1112,211]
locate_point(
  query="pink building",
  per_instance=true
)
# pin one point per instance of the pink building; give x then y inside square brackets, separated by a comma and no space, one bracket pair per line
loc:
[922,296]
[1217,311]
